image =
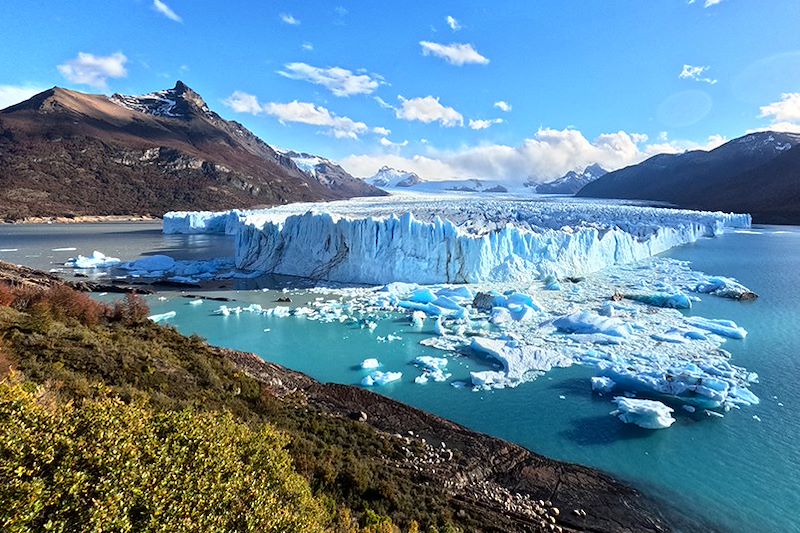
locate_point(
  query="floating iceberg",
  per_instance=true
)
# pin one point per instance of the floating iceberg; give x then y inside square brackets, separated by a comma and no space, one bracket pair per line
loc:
[96,260]
[602,384]
[163,316]
[648,414]
[433,369]
[725,288]
[725,328]
[380,378]
[660,299]
[370,363]
[586,322]
[449,240]
[519,362]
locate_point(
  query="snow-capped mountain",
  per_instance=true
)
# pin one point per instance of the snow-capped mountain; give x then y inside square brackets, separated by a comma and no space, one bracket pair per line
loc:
[329,174]
[388,178]
[757,173]
[571,182]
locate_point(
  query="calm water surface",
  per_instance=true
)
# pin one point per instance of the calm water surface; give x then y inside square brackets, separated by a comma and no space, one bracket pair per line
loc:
[741,474]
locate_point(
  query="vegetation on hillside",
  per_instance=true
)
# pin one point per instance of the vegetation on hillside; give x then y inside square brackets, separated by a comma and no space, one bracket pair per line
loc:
[98,366]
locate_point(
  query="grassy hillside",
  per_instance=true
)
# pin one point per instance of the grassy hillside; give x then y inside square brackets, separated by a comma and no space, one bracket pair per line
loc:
[188,421]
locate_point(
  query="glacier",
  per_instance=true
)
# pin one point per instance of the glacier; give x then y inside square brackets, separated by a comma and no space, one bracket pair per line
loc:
[428,240]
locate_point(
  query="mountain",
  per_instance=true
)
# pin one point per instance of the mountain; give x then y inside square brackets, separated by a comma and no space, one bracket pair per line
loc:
[571,182]
[64,152]
[388,177]
[758,174]
[330,175]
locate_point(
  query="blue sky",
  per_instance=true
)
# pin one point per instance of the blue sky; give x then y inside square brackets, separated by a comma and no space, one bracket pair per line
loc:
[584,80]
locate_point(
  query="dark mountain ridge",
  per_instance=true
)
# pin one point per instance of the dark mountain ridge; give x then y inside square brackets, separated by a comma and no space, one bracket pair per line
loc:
[64,152]
[758,173]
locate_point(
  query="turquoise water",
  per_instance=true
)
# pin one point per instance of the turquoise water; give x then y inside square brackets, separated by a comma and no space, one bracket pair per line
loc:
[738,473]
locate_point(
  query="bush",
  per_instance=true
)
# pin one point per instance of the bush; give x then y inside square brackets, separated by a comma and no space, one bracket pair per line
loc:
[102,465]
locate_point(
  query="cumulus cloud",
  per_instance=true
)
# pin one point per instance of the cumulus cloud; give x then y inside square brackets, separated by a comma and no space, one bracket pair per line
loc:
[301,113]
[503,106]
[287,18]
[307,46]
[480,124]
[690,72]
[549,153]
[452,22]
[427,110]
[709,3]
[14,94]
[389,144]
[165,10]
[454,53]
[787,109]
[242,102]
[339,81]
[379,130]
[94,71]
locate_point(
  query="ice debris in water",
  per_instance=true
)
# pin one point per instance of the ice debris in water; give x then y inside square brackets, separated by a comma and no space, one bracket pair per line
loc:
[96,260]
[648,414]
[602,384]
[725,288]
[163,316]
[370,363]
[378,377]
[660,299]
[726,328]
[433,369]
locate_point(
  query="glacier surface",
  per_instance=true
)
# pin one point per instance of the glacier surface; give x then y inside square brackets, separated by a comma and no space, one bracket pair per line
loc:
[424,240]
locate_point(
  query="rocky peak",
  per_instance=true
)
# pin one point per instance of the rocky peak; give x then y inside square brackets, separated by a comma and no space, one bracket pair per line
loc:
[179,102]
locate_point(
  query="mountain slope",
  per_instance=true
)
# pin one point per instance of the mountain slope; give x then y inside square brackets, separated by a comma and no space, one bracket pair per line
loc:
[330,175]
[754,173]
[572,181]
[388,177]
[63,152]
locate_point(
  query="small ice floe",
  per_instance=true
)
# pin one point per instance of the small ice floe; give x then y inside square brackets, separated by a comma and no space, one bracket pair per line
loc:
[603,384]
[380,378]
[9,249]
[433,369]
[66,249]
[162,298]
[163,316]
[370,363]
[418,319]
[757,418]
[562,397]
[725,328]
[586,322]
[661,299]
[689,408]
[96,260]
[715,414]
[648,414]
[725,288]
[197,301]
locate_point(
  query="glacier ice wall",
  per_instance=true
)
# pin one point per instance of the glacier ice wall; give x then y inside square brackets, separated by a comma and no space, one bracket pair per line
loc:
[450,241]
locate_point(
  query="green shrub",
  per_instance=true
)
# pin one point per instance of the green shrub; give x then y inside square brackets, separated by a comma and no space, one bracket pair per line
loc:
[103,465]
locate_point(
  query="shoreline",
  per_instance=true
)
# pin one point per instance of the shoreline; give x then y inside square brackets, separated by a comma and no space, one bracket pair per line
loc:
[82,219]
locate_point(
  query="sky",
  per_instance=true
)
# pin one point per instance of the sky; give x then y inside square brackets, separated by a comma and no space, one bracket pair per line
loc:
[498,90]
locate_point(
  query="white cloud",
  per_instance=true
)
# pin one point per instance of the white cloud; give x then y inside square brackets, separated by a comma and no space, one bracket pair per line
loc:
[287,18]
[452,22]
[165,10]
[710,3]
[427,110]
[14,94]
[787,109]
[242,102]
[339,81]
[387,143]
[455,53]
[480,124]
[503,106]
[383,103]
[92,70]
[307,46]
[308,113]
[546,155]
[378,130]
[690,72]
